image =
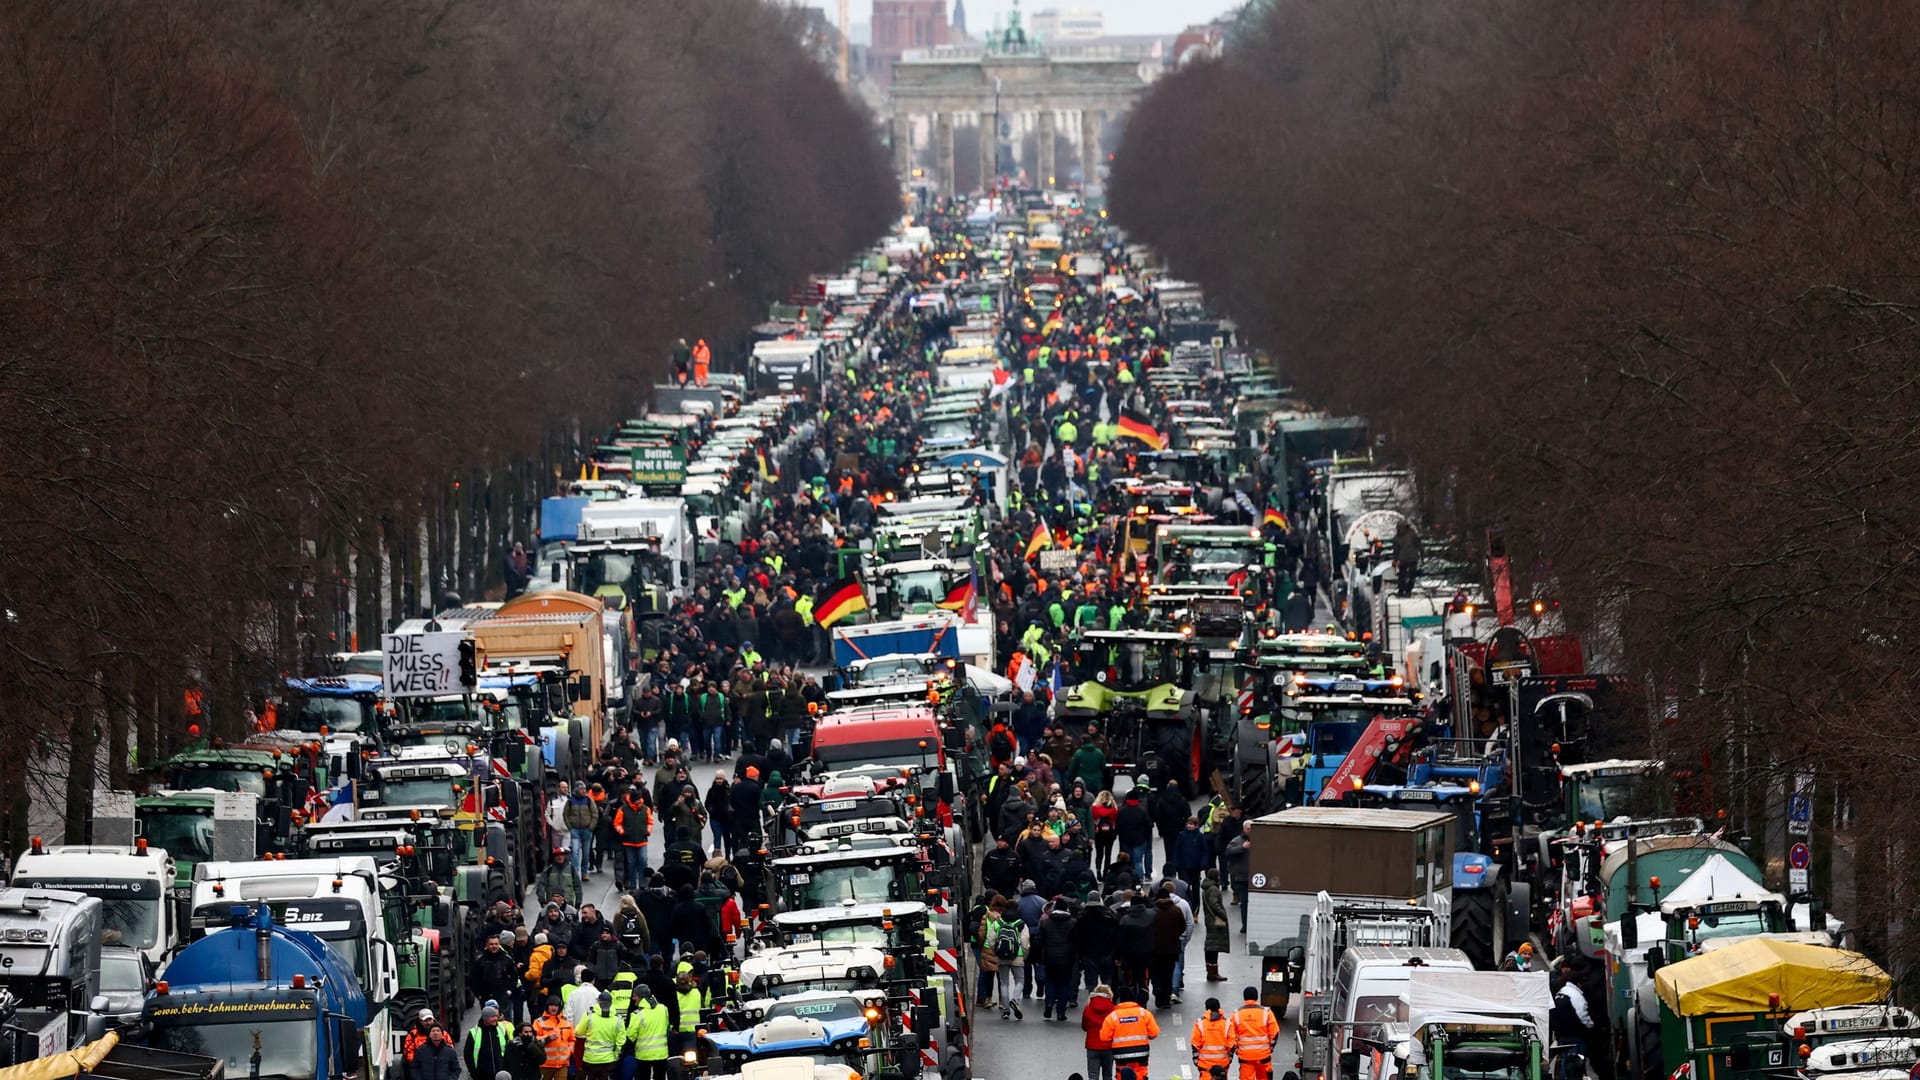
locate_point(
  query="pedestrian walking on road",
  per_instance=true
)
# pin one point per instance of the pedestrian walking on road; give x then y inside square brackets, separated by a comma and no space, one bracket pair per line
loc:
[1099,1047]
[1254,1031]
[1213,911]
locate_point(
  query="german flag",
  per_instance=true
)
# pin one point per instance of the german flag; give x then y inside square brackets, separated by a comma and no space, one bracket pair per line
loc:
[1134,426]
[1041,538]
[1274,517]
[839,600]
[959,594]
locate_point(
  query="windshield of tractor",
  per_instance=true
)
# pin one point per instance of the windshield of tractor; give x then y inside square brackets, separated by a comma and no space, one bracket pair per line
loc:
[894,668]
[185,832]
[439,711]
[1605,797]
[860,883]
[1132,666]
[285,1048]
[1224,550]
[333,713]
[431,791]
[918,589]
[842,935]
[1484,1062]
[220,777]
[1731,924]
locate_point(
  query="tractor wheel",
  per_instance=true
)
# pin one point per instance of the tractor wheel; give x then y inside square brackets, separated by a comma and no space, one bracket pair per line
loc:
[1478,915]
[1252,772]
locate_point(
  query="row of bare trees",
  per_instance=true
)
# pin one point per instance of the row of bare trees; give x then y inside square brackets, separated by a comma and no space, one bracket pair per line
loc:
[301,303]
[1635,282]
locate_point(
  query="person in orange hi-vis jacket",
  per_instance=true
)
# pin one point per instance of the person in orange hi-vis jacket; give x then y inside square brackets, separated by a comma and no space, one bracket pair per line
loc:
[702,362]
[1253,1030]
[1130,1029]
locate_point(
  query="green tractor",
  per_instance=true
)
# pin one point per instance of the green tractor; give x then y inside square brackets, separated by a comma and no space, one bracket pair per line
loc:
[1133,683]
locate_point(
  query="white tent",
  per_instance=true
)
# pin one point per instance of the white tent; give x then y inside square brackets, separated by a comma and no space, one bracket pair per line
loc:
[1436,996]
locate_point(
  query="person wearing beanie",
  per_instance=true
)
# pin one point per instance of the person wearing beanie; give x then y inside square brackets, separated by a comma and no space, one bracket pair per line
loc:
[1209,1041]
[1253,1030]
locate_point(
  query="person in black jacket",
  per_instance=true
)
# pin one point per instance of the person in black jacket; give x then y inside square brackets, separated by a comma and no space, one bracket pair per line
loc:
[437,1059]
[1000,869]
[690,926]
[746,809]
[1135,953]
[493,973]
[1134,826]
[1053,947]
[1170,812]
[586,933]
[720,811]
[1094,932]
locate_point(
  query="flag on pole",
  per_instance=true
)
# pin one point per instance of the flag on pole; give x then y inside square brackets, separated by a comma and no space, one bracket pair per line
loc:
[1135,426]
[960,594]
[839,600]
[1041,538]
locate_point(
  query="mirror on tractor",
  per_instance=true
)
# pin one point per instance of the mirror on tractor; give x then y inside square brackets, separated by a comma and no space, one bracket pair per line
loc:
[926,1018]
[1317,1022]
[583,688]
[947,791]
[1629,932]
[349,1046]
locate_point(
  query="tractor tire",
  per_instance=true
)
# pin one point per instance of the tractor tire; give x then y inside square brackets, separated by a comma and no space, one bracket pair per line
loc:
[1253,772]
[1479,916]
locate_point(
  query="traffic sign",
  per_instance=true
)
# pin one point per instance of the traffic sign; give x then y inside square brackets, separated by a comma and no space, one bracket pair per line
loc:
[1799,857]
[1799,813]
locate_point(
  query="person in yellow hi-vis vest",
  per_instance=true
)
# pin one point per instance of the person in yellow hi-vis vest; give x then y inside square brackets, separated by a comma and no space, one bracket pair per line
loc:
[647,1034]
[601,1034]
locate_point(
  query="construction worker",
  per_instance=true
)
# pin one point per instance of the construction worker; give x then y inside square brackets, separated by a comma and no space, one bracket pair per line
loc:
[690,997]
[554,1037]
[702,362]
[1253,1031]
[647,1034]
[601,1034]
[1209,1040]
[1131,1029]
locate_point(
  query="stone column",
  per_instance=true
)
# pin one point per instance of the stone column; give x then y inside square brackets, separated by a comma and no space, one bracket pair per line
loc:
[943,151]
[1043,143]
[989,149]
[903,145]
[1090,156]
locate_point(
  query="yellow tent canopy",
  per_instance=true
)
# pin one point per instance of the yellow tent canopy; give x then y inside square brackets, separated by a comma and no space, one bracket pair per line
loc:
[72,1063]
[1741,977]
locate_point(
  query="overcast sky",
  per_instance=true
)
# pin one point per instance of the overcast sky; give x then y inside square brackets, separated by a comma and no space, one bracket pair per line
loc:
[1123,16]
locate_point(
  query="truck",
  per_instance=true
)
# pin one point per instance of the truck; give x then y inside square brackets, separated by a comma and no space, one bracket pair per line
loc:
[785,365]
[49,969]
[1477,1023]
[633,553]
[1368,858]
[558,629]
[1722,1012]
[133,883]
[1334,929]
[266,1000]
[1364,1010]
[343,901]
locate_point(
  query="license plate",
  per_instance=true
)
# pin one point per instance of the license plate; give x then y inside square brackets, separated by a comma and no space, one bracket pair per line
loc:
[799,879]
[1276,976]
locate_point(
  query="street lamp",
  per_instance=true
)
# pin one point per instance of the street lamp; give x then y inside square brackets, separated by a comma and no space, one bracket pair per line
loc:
[988,183]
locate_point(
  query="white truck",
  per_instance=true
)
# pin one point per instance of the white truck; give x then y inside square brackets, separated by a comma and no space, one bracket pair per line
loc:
[342,900]
[1345,856]
[50,968]
[1475,1023]
[633,544]
[134,884]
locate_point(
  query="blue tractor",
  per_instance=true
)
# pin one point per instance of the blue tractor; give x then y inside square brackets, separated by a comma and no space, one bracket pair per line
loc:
[1469,778]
